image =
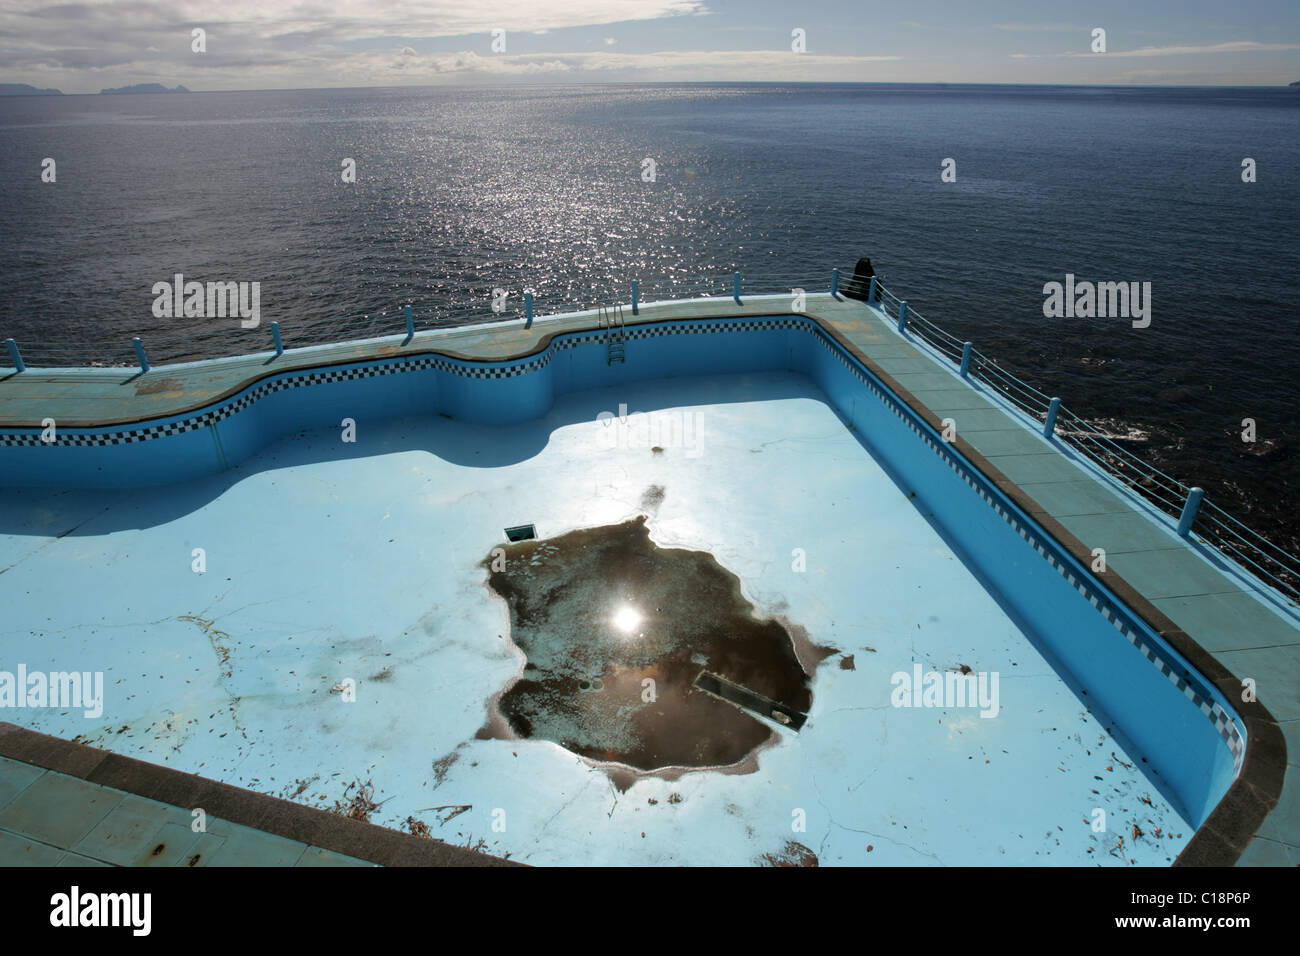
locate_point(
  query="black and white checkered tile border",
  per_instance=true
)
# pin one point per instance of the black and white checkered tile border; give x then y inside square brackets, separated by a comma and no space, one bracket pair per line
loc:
[1225,725]
[288,380]
[477,370]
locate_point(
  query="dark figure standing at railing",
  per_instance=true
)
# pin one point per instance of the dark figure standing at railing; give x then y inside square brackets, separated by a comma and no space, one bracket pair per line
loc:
[859,287]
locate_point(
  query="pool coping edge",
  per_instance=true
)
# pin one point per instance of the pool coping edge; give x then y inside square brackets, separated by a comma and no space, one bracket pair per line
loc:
[284,818]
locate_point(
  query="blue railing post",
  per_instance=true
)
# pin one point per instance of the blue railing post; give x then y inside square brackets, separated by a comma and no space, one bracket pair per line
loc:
[636,295]
[275,334]
[1190,509]
[966,351]
[410,321]
[871,293]
[139,354]
[17,359]
[735,288]
[528,308]
[835,283]
[902,316]
[1049,426]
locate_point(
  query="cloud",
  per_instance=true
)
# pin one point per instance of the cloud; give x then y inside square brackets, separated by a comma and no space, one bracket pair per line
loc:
[90,40]
[267,44]
[747,64]
[1234,46]
[470,62]
[341,19]
[1041,27]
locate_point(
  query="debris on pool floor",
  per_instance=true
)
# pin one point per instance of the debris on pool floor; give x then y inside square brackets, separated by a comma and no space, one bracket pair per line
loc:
[374,580]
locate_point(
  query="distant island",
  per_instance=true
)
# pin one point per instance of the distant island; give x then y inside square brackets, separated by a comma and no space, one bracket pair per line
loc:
[22,89]
[146,88]
[1296,83]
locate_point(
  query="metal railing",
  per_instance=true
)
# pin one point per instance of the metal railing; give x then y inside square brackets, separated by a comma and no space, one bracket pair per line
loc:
[1208,522]
[218,338]
[611,322]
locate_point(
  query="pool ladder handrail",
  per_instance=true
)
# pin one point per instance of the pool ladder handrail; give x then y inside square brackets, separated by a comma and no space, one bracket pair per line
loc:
[611,320]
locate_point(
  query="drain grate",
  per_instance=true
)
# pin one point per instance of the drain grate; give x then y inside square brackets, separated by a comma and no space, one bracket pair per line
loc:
[745,698]
[523,532]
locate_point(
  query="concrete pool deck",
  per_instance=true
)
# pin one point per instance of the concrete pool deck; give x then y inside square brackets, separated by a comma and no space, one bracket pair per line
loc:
[1219,619]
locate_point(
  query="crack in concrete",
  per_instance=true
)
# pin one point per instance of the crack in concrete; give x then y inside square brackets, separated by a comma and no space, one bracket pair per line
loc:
[834,823]
[58,537]
[225,669]
[568,803]
[99,625]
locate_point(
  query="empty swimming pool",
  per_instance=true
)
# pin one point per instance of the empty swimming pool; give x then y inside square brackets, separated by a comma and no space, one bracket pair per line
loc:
[318,619]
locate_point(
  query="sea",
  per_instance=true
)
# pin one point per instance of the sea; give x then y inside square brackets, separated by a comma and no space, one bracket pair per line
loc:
[968,200]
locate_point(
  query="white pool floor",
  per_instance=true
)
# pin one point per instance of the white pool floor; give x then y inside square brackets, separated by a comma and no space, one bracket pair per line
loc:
[327,561]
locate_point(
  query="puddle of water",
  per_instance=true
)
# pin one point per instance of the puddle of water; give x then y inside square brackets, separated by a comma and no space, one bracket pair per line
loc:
[616,629]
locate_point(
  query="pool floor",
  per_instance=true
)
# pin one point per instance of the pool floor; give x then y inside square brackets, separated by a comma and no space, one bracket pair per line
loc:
[332,566]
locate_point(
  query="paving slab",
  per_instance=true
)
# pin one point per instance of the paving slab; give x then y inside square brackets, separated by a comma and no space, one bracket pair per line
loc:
[1230,621]
[1264,852]
[138,832]
[1276,672]
[1012,440]
[1064,498]
[1022,468]
[244,846]
[59,810]
[75,860]
[315,856]
[1120,532]
[958,399]
[1291,730]
[1170,574]
[16,849]
[15,777]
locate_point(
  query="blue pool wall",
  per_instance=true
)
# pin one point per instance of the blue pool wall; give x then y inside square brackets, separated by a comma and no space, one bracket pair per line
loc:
[1183,726]
[1180,741]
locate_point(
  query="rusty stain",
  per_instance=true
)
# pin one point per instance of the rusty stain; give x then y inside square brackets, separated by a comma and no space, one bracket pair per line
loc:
[152,386]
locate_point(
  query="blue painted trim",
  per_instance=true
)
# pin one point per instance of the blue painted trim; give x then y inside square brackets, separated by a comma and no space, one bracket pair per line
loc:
[139,354]
[1049,424]
[15,356]
[1190,509]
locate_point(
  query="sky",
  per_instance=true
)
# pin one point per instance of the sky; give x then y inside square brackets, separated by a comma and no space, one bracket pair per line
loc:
[82,47]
